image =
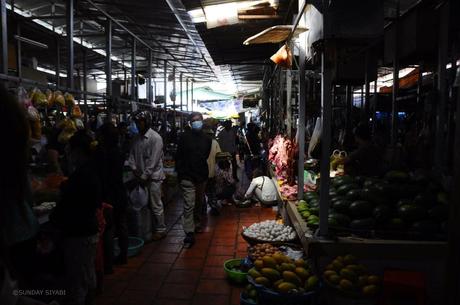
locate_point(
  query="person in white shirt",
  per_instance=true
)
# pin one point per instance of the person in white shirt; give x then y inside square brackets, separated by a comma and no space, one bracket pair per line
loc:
[146,162]
[262,189]
[211,183]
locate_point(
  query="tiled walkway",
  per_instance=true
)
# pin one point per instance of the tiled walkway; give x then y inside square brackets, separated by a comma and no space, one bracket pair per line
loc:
[166,274]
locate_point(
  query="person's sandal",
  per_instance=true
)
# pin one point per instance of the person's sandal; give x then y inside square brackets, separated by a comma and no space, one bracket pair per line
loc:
[158,236]
[189,240]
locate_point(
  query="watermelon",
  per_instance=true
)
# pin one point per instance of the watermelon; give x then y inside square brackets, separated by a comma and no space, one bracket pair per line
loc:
[411,213]
[371,182]
[342,190]
[443,198]
[409,190]
[404,202]
[310,195]
[314,202]
[381,213]
[395,224]
[382,187]
[439,212]
[426,226]
[332,222]
[341,206]
[372,194]
[337,198]
[353,195]
[425,200]
[362,224]
[341,219]
[361,209]
[397,176]
[314,210]
[342,180]
[332,192]
[444,226]
[360,180]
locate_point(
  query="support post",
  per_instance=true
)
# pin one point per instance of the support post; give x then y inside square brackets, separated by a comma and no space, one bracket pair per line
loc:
[281,100]
[69,29]
[441,111]
[58,63]
[4,37]
[125,79]
[394,106]
[374,107]
[191,92]
[108,59]
[326,114]
[133,71]
[149,81]
[349,108]
[186,92]
[174,101]
[301,124]
[18,52]
[288,102]
[367,88]
[85,77]
[181,101]
[165,88]
[452,263]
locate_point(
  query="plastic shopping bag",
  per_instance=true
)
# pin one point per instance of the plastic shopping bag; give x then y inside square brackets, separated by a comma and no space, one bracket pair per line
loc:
[315,138]
[139,197]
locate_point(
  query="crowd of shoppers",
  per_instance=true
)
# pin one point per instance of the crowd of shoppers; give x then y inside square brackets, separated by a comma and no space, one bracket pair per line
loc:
[93,200]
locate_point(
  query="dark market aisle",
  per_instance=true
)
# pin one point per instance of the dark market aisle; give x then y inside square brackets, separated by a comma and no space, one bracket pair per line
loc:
[165,274]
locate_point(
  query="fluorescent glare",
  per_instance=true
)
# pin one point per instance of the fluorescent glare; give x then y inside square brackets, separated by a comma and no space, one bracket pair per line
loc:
[221,14]
[197,15]
[50,71]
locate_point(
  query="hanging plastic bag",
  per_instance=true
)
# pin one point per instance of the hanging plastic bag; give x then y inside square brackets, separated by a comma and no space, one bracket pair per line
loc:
[23,98]
[315,137]
[139,197]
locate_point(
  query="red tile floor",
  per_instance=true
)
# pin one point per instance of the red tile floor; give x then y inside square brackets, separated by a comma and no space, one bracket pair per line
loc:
[165,274]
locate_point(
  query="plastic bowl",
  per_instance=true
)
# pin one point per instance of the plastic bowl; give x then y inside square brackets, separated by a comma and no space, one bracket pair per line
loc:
[235,276]
[135,245]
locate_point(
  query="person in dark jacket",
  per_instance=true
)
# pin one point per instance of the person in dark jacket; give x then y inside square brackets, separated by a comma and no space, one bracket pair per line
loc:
[110,160]
[75,216]
[192,169]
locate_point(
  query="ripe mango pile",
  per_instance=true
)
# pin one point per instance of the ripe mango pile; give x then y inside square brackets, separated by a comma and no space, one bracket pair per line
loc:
[283,274]
[347,275]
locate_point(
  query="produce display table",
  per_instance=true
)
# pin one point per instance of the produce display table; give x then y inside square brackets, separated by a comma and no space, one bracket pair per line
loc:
[364,247]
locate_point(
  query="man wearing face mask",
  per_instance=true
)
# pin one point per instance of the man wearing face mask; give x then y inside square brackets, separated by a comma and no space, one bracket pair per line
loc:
[192,169]
[146,162]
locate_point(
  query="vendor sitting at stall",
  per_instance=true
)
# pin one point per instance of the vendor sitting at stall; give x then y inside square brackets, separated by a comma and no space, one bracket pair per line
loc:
[261,189]
[366,159]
